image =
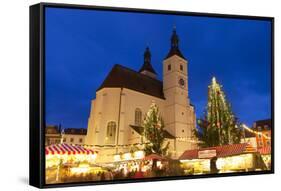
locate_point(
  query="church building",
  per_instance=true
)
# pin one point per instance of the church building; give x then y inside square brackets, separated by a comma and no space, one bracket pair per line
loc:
[124,98]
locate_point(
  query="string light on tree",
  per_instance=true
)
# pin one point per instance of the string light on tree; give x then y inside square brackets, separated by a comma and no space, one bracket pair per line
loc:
[154,132]
[218,123]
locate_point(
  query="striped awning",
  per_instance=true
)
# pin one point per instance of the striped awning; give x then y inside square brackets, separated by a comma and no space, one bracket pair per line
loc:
[67,149]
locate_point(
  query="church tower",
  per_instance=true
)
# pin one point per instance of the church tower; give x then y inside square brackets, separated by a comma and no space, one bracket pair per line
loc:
[179,113]
[147,68]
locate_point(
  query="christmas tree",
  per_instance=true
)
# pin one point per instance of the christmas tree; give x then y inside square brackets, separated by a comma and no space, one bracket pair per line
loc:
[219,125]
[154,132]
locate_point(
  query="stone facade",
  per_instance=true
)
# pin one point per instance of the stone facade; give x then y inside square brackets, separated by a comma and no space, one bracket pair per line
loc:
[120,104]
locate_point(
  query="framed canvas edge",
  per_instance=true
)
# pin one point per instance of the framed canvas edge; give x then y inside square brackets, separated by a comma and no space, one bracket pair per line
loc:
[37,94]
[35,98]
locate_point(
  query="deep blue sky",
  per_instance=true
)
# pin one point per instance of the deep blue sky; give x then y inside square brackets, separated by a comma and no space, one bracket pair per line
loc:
[83,45]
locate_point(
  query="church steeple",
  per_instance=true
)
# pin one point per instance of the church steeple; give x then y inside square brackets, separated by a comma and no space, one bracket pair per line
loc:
[174,40]
[147,56]
[147,68]
[174,50]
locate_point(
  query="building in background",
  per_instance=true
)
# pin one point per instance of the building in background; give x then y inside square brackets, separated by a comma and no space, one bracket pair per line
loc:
[55,134]
[52,134]
[74,136]
[264,138]
[249,138]
[124,97]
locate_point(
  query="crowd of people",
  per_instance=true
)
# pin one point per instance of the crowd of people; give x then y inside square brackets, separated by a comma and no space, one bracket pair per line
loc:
[170,169]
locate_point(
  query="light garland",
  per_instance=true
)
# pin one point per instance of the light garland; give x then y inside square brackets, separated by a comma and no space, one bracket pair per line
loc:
[255,132]
[183,139]
[187,139]
[116,146]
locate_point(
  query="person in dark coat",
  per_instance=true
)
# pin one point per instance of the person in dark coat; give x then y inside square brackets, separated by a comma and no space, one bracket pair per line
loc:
[213,165]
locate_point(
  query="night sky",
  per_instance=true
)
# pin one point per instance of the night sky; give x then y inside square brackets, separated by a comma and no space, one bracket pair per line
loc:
[83,45]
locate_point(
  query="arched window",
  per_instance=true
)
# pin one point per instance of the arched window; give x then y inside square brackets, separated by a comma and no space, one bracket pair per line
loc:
[138,117]
[110,132]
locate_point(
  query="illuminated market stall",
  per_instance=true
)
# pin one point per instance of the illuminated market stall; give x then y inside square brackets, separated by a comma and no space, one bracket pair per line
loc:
[160,161]
[128,162]
[137,161]
[65,160]
[228,158]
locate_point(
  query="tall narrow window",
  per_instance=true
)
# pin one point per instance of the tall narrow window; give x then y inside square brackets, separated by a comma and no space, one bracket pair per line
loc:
[181,67]
[138,117]
[110,132]
[169,67]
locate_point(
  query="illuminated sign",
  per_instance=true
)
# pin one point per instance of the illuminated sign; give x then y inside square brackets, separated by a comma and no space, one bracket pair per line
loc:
[207,154]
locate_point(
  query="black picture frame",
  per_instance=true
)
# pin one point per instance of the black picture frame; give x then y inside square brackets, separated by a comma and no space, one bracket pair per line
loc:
[37,93]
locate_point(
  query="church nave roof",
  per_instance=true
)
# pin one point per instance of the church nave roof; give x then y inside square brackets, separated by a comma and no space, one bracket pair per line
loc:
[121,76]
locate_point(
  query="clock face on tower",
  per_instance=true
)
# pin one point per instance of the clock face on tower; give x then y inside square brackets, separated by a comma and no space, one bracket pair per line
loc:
[181,82]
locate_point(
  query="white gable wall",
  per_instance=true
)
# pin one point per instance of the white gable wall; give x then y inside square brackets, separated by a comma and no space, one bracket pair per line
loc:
[119,105]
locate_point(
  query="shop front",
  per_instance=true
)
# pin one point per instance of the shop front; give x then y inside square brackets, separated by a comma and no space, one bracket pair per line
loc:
[64,160]
[222,159]
[129,164]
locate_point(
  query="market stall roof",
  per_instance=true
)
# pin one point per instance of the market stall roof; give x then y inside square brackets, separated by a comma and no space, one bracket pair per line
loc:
[154,157]
[67,149]
[264,150]
[220,151]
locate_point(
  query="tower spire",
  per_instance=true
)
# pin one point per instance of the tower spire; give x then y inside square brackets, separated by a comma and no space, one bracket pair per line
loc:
[174,39]
[147,68]
[174,50]
[147,56]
